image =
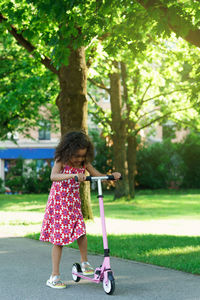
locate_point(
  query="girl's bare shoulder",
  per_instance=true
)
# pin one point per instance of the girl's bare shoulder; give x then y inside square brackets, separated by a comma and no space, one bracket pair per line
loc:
[58,166]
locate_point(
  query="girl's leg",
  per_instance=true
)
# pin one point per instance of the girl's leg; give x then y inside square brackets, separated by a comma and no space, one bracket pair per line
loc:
[87,269]
[82,243]
[56,257]
[54,281]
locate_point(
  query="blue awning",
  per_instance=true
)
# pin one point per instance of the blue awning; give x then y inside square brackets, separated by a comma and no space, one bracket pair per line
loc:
[27,153]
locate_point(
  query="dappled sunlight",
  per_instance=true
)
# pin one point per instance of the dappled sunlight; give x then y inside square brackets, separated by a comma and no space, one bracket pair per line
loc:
[152,206]
[147,214]
[15,224]
[18,230]
[180,227]
[13,216]
[174,250]
[5,252]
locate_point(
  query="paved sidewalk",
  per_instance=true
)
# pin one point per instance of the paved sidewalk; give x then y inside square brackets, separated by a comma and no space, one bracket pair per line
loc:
[25,266]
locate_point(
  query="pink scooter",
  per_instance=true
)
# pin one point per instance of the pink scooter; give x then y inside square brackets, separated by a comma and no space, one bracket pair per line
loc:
[104,272]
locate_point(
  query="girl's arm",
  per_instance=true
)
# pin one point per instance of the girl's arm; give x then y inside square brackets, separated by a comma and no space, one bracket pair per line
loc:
[56,174]
[94,172]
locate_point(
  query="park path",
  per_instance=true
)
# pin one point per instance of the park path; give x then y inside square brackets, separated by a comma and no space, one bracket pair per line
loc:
[25,264]
[25,267]
[15,224]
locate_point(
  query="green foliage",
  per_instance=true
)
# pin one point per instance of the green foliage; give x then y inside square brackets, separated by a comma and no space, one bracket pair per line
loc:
[169,165]
[25,87]
[189,150]
[103,161]
[2,188]
[56,26]
[37,180]
[159,166]
[28,178]
[14,178]
[51,29]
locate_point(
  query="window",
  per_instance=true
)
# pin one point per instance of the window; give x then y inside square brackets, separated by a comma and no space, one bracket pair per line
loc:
[44,132]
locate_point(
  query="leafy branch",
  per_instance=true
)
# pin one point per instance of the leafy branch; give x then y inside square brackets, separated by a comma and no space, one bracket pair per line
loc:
[28,46]
[164,116]
[165,94]
[105,120]
[100,85]
[176,22]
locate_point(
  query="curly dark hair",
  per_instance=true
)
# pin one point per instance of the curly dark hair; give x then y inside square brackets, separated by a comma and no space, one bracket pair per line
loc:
[70,143]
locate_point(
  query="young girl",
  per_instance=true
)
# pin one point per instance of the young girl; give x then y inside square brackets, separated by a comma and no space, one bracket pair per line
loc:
[63,220]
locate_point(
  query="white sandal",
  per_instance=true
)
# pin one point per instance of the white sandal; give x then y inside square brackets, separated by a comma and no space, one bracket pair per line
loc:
[86,268]
[55,282]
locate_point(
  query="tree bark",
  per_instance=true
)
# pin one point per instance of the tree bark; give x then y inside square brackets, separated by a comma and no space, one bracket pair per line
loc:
[131,139]
[119,135]
[72,100]
[131,160]
[72,105]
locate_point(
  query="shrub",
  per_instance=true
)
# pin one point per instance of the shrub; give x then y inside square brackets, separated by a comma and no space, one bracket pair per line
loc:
[2,188]
[103,161]
[159,165]
[44,182]
[28,178]
[37,180]
[189,150]
[14,178]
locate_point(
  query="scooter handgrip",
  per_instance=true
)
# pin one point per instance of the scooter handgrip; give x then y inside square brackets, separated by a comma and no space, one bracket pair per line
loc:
[88,178]
[111,177]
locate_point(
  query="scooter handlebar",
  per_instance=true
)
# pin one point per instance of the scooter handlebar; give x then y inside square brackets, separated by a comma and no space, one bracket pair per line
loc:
[91,178]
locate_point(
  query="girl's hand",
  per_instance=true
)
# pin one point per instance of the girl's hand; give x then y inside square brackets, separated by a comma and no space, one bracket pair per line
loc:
[116,175]
[81,177]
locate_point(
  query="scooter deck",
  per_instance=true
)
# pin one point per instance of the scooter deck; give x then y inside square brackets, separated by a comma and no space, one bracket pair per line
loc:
[93,278]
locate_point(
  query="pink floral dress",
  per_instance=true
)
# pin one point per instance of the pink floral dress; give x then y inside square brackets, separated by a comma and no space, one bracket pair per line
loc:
[63,220]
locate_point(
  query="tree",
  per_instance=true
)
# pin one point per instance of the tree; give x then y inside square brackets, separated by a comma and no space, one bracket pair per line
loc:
[128,36]
[56,34]
[170,15]
[118,130]
[156,87]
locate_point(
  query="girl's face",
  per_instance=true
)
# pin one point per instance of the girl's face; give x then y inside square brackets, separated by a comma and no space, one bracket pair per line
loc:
[78,158]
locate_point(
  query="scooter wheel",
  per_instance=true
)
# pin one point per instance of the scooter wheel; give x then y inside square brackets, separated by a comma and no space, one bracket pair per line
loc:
[76,268]
[109,287]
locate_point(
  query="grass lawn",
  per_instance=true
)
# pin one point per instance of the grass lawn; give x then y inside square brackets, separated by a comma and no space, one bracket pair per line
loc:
[147,205]
[177,252]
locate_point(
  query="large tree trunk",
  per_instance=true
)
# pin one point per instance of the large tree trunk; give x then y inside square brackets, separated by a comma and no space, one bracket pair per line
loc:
[72,105]
[131,138]
[119,136]
[72,100]
[131,159]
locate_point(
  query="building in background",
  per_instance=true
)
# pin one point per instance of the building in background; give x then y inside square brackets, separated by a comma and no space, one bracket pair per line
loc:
[42,145]
[41,148]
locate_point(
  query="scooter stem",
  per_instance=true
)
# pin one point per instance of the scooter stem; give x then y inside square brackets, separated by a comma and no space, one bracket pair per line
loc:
[101,206]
